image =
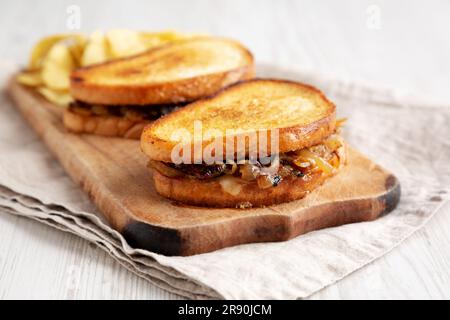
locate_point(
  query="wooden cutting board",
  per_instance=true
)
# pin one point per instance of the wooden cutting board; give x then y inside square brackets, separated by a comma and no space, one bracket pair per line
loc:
[113,173]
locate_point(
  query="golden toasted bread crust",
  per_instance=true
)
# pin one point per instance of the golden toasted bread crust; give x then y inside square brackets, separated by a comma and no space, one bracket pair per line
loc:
[111,126]
[211,194]
[87,87]
[291,138]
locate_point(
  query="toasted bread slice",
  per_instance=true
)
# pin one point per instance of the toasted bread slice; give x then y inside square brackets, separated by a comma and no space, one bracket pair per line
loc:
[177,72]
[233,192]
[105,125]
[300,114]
[211,193]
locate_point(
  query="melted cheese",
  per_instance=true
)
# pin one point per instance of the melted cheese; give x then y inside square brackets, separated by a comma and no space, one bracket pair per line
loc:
[230,185]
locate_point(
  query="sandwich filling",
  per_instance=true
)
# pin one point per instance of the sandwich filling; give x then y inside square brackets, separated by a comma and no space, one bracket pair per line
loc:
[324,158]
[130,112]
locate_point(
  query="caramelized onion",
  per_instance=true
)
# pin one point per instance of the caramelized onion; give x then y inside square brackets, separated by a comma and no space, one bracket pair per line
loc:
[248,171]
[335,161]
[317,161]
[340,122]
[325,157]
[231,168]
[164,169]
[333,142]
[99,110]
[268,181]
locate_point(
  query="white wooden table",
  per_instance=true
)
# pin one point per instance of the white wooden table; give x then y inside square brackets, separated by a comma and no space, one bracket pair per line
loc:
[402,44]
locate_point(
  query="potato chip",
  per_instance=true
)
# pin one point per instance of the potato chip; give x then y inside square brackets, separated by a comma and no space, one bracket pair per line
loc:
[96,50]
[124,43]
[53,58]
[76,45]
[60,98]
[41,49]
[57,67]
[30,78]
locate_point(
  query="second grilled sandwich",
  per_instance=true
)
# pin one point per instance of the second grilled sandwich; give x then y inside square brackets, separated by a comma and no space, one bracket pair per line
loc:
[256,143]
[120,97]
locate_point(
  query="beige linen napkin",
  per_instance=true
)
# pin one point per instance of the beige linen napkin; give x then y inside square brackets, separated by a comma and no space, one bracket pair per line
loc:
[408,137]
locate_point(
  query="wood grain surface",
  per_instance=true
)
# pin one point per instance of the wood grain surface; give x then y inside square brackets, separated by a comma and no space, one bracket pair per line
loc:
[113,172]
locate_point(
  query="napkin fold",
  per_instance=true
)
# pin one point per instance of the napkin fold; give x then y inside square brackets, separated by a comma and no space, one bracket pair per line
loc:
[405,134]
